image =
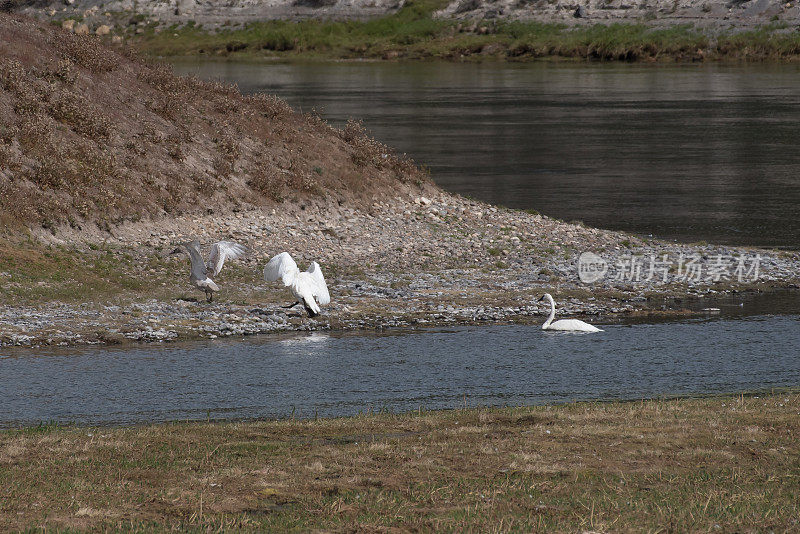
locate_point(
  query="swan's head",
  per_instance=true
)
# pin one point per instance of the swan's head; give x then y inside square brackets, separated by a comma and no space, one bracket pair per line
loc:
[546,297]
[178,250]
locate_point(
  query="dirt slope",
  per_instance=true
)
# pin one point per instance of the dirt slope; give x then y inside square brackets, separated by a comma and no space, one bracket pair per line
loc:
[92,134]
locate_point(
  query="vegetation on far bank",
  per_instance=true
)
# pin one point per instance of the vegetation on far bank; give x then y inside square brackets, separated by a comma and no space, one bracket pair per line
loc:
[413,33]
[718,464]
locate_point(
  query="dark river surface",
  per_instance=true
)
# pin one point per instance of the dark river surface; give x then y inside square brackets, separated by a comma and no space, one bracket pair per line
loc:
[688,152]
[331,375]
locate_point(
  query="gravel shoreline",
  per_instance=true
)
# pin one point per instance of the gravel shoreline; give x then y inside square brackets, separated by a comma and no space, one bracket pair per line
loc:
[405,261]
[133,17]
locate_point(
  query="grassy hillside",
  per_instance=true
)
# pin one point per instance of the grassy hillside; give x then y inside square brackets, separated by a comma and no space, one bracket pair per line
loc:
[91,134]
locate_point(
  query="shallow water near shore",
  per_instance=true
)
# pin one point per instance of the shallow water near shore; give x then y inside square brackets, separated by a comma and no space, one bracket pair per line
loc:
[685,152]
[321,374]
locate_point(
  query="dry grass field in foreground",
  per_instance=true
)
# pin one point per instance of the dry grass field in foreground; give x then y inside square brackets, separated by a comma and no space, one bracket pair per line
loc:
[720,464]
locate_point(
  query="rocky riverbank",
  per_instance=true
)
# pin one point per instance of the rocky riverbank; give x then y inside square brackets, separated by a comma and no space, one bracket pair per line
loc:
[478,30]
[713,17]
[129,16]
[404,261]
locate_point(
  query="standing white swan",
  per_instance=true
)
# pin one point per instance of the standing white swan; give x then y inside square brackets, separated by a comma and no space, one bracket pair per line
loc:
[305,286]
[203,271]
[564,325]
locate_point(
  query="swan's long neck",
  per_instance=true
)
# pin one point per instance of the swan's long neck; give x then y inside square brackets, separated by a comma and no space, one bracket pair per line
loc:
[552,314]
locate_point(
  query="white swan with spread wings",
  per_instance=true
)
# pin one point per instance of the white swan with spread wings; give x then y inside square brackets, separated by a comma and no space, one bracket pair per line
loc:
[203,271]
[309,287]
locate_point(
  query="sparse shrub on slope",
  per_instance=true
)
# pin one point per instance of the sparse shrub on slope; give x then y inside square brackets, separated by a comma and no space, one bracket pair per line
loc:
[94,134]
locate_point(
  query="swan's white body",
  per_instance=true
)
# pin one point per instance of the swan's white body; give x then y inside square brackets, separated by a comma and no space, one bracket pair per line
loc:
[309,287]
[207,285]
[565,325]
[203,271]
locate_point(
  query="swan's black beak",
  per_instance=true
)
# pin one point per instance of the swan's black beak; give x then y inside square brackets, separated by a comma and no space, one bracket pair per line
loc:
[540,299]
[176,251]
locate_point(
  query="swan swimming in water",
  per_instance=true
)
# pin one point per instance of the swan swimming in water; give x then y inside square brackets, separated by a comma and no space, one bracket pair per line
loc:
[305,286]
[203,271]
[564,325]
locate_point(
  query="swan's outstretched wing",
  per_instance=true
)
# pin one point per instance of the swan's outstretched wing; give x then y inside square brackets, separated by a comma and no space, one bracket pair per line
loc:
[281,266]
[222,251]
[198,267]
[320,288]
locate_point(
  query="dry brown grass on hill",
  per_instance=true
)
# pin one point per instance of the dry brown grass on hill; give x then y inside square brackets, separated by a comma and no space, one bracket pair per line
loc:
[91,133]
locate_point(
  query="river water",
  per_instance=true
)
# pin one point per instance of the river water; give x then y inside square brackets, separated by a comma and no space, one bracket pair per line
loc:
[685,152]
[331,375]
